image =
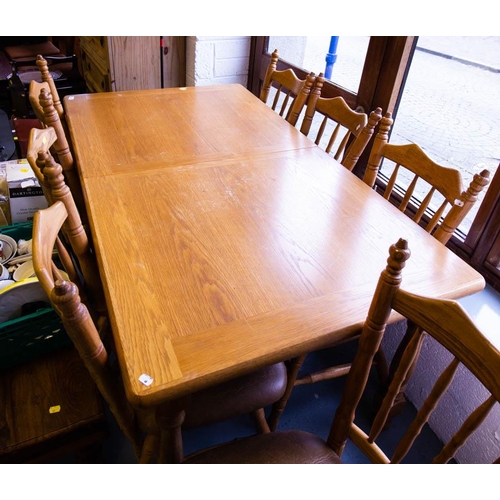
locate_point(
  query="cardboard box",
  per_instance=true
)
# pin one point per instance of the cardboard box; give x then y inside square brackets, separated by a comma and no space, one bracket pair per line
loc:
[25,194]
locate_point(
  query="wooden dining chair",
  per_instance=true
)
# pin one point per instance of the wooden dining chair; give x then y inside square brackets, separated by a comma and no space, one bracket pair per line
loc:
[342,132]
[23,123]
[61,147]
[453,206]
[46,81]
[22,60]
[79,325]
[450,326]
[47,78]
[40,139]
[416,176]
[47,67]
[443,320]
[23,118]
[250,393]
[64,67]
[35,89]
[73,229]
[291,93]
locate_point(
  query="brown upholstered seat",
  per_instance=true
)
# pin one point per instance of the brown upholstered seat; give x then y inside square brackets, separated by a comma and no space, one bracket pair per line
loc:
[258,389]
[285,447]
[446,322]
[248,393]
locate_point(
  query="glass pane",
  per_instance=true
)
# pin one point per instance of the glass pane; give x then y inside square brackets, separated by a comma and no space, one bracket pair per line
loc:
[451,104]
[310,53]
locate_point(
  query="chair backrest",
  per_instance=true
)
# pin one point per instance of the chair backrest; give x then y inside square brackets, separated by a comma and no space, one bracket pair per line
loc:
[449,325]
[40,140]
[73,229]
[77,320]
[415,177]
[291,92]
[34,98]
[61,148]
[47,78]
[347,131]
[50,118]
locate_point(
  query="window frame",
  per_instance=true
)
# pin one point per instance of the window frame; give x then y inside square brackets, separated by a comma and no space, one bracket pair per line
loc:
[481,247]
[383,78]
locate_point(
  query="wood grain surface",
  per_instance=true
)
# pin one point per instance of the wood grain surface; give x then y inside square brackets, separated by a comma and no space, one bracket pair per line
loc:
[219,256]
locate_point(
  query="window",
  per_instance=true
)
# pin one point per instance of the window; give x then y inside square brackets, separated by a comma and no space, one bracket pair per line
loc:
[386,71]
[481,247]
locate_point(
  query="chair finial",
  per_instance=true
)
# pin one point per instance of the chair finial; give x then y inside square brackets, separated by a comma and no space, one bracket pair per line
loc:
[399,253]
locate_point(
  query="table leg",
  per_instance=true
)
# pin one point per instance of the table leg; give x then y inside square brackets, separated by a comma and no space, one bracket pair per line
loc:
[170,417]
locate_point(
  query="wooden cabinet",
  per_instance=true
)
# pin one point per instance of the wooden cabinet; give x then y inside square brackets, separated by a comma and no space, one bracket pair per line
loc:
[115,63]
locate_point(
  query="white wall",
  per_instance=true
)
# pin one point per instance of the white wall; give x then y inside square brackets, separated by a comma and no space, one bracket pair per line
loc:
[214,60]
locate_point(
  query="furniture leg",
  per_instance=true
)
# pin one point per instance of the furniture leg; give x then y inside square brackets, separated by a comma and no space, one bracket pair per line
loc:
[169,417]
[149,449]
[279,406]
[400,399]
[260,421]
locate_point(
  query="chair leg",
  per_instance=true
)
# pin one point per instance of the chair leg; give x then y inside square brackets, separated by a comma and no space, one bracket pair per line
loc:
[278,407]
[260,421]
[400,400]
[149,449]
[330,373]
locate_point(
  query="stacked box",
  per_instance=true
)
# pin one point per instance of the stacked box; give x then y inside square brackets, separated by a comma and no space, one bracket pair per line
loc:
[25,196]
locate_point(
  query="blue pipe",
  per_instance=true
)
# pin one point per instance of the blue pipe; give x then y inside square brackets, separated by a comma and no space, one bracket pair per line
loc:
[331,56]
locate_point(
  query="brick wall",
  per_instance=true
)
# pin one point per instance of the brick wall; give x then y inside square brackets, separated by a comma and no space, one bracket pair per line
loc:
[213,60]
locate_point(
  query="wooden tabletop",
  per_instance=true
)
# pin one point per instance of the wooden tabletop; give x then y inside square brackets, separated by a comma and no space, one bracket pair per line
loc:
[238,257]
[119,131]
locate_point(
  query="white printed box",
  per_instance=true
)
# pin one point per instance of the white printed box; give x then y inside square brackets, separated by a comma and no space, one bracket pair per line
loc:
[25,194]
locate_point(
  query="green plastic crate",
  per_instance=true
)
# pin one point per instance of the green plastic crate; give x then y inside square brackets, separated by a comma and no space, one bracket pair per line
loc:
[25,338]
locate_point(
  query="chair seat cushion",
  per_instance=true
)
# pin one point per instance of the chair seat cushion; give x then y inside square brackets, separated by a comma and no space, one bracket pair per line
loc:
[239,396]
[30,51]
[23,127]
[281,447]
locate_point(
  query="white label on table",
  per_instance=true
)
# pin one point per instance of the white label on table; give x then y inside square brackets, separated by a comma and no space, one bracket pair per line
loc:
[146,379]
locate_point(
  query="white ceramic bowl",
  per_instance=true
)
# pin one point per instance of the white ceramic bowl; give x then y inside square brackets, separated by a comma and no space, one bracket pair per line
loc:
[5,283]
[24,271]
[9,248]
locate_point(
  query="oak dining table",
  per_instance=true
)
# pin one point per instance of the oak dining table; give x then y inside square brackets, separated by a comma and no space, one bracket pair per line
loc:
[226,240]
